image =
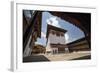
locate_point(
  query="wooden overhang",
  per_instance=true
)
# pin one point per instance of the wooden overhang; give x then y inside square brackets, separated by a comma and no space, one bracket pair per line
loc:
[37,22]
[81,20]
[34,25]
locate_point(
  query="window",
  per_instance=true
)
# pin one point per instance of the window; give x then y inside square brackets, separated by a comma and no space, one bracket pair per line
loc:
[62,34]
[58,33]
[53,32]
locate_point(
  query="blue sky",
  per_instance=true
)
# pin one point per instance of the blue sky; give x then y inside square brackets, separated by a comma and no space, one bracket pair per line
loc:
[73,33]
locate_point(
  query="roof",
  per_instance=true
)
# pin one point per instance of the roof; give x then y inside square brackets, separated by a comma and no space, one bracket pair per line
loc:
[49,27]
[76,41]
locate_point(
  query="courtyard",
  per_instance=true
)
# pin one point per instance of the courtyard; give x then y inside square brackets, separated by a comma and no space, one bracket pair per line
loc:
[80,55]
[56,36]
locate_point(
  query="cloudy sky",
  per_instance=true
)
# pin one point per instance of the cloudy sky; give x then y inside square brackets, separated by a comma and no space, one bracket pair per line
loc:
[73,33]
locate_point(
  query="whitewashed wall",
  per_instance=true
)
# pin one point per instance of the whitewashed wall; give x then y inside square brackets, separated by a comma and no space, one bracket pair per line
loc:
[54,40]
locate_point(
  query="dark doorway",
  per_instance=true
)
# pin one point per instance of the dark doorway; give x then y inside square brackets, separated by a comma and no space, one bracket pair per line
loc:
[61,50]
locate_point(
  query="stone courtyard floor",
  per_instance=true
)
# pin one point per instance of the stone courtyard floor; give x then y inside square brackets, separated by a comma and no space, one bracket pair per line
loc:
[58,57]
[69,56]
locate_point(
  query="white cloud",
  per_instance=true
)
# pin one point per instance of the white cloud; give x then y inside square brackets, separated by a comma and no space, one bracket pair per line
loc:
[53,21]
[43,34]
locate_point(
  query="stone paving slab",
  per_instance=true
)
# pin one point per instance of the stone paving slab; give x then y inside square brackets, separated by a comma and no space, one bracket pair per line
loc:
[69,56]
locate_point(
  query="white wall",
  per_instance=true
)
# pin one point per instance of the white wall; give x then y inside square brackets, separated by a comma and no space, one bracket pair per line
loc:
[5,39]
[56,39]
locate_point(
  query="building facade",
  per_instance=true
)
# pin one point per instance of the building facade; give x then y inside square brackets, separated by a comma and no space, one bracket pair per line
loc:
[56,42]
[79,45]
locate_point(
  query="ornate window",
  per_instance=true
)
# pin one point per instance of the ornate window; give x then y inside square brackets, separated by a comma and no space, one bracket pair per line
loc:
[58,33]
[62,34]
[53,32]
